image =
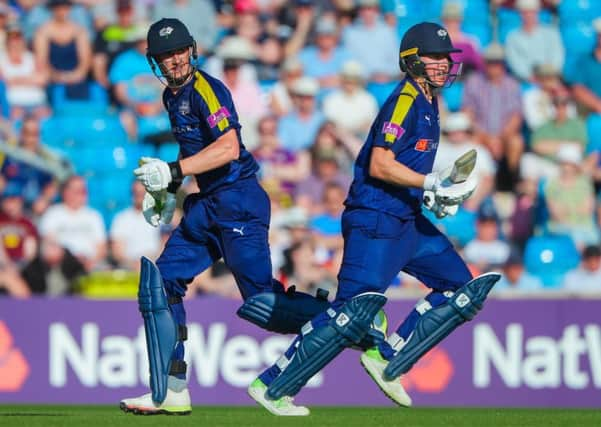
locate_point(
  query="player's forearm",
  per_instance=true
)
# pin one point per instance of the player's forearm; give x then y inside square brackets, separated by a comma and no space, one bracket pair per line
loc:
[216,155]
[383,166]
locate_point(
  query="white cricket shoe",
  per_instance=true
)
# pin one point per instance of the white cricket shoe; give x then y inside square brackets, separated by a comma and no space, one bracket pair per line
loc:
[283,406]
[374,364]
[176,403]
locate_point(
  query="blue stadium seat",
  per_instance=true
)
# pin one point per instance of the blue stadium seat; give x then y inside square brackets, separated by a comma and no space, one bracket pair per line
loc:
[593,129]
[573,11]
[453,96]
[381,91]
[168,152]
[476,10]
[550,257]
[97,102]
[460,228]
[481,31]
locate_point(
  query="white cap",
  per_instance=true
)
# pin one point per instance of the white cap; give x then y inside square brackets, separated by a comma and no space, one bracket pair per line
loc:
[352,70]
[306,86]
[457,122]
[569,153]
[292,64]
[527,4]
[236,47]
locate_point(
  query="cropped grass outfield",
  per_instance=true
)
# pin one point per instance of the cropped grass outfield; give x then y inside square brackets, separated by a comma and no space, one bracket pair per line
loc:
[106,416]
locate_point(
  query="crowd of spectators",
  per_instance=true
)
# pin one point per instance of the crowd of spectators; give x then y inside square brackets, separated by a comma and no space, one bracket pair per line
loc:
[307,78]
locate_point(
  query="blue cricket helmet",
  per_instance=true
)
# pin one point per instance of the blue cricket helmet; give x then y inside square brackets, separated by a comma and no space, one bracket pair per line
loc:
[166,35]
[423,39]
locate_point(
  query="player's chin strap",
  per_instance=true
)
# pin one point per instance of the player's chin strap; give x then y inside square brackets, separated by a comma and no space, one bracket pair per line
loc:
[162,333]
[436,323]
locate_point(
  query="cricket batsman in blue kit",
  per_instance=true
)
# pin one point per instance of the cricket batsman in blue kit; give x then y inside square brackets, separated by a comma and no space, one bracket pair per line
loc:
[385,232]
[228,218]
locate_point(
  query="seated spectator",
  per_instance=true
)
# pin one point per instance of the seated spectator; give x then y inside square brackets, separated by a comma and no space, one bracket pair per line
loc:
[33,168]
[198,16]
[537,99]
[250,105]
[487,252]
[457,139]
[310,192]
[452,18]
[333,141]
[271,55]
[351,107]
[325,59]
[373,43]
[18,235]
[138,91]
[587,277]
[8,17]
[551,136]
[533,43]
[36,13]
[63,49]
[570,199]
[281,96]
[586,85]
[130,235]
[106,12]
[54,271]
[76,226]
[25,79]
[297,129]
[303,270]
[493,100]
[279,167]
[515,278]
[113,39]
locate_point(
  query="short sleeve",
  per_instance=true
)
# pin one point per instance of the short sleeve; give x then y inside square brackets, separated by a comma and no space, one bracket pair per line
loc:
[394,122]
[215,107]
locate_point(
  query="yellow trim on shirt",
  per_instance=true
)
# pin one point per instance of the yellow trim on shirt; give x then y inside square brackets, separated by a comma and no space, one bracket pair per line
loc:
[207,93]
[403,104]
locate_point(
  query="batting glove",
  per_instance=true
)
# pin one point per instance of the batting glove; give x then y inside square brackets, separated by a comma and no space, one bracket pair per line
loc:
[156,175]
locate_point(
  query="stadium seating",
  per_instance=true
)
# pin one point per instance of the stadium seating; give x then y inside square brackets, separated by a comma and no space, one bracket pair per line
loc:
[550,257]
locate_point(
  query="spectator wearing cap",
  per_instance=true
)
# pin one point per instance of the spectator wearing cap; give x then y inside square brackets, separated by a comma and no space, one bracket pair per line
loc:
[487,251]
[325,59]
[280,97]
[235,51]
[533,43]
[113,39]
[547,140]
[586,278]
[325,169]
[452,18]
[63,49]
[493,100]
[586,84]
[137,91]
[515,278]
[373,43]
[570,199]
[297,129]
[457,139]
[351,107]
[23,75]
[537,99]
[198,15]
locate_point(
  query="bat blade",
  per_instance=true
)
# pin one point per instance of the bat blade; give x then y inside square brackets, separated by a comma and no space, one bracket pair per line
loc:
[463,167]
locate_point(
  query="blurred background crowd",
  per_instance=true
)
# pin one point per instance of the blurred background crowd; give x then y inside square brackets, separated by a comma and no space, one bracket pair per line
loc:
[79,106]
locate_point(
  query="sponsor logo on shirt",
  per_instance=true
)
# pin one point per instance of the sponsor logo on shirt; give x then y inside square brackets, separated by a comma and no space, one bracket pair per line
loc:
[425,145]
[184,107]
[219,115]
[392,129]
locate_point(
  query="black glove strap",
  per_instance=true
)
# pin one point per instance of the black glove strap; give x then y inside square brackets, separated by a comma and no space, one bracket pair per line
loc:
[177,177]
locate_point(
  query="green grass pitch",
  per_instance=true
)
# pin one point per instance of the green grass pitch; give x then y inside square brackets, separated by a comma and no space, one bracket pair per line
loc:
[106,416]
